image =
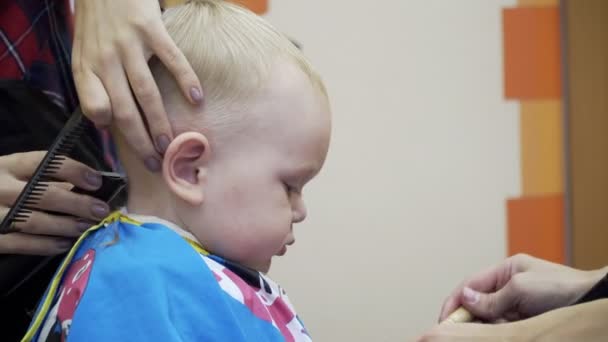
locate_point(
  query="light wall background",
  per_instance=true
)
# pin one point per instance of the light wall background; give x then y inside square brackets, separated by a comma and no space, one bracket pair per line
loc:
[425,151]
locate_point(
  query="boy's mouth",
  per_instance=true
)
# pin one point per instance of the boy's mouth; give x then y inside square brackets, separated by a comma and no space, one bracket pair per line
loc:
[284,249]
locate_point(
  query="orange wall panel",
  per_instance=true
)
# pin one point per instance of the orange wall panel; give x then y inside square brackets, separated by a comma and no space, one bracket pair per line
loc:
[536,226]
[532,53]
[541,147]
[257,6]
[531,3]
[172,3]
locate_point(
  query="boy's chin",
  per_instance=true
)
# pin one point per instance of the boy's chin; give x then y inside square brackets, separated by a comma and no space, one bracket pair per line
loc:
[260,266]
[264,267]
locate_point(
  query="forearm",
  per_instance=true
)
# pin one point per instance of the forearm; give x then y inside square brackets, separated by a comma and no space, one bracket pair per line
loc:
[586,322]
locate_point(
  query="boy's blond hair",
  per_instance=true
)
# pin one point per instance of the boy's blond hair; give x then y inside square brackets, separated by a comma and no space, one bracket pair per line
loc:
[232,51]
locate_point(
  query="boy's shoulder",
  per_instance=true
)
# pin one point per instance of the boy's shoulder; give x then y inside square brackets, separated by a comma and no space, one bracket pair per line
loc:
[128,245]
[119,271]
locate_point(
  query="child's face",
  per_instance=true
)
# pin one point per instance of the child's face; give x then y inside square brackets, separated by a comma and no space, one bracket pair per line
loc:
[252,194]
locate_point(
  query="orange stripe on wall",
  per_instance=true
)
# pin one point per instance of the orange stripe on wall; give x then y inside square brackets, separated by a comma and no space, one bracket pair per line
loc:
[541,147]
[172,3]
[531,3]
[536,226]
[532,53]
[257,6]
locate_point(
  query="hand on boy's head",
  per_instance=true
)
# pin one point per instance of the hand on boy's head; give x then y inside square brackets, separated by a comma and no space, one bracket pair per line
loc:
[113,41]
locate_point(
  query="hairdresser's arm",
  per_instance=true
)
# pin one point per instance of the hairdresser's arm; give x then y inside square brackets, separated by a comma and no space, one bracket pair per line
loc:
[46,234]
[520,287]
[585,322]
[113,41]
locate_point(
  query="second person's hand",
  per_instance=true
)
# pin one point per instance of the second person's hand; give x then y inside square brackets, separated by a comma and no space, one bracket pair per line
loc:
[45,233]
[520,287]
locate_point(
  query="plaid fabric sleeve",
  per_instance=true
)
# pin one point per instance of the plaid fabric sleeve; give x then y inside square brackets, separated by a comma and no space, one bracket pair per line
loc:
[35,46]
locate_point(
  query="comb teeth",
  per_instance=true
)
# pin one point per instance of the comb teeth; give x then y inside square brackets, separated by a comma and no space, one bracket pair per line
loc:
[33,191]
[75,133]
[64,150]
[68,142]
[31,202]
[24,212]
[22,215]
[43,184]
[36,195]
[51,170]
[38,191]
[57,161]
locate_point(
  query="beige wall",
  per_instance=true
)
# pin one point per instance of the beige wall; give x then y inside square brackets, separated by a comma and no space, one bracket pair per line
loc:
[425,151]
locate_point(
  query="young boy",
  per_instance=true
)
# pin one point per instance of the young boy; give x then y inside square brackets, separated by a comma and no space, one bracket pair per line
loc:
[186,259]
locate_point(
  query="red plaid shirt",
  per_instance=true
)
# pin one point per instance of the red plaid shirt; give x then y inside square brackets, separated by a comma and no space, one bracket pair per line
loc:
[35,46]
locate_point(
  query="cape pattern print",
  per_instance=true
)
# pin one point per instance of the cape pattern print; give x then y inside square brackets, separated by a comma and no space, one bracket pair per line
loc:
[126,280]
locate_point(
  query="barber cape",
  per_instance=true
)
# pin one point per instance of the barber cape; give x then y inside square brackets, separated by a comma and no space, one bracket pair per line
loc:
[136,278]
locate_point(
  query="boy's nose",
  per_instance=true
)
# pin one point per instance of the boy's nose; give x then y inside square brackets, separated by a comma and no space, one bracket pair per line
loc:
[299,212]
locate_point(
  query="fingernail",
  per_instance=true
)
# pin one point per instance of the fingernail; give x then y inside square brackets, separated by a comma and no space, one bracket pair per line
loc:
[83,226]
[93,178]
[196,94]
[162,143]
[100,210]
[152,164]
[64,244]
[470,296]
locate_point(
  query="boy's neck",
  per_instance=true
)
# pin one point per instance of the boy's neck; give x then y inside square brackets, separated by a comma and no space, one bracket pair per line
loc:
[147,194]
[149,199]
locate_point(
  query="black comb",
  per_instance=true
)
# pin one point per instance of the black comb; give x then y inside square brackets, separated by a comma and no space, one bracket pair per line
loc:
[32,193]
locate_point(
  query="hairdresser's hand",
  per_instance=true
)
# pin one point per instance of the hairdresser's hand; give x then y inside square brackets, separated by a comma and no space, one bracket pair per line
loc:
[582,322]
[45,234]
[521,286]
[113,41]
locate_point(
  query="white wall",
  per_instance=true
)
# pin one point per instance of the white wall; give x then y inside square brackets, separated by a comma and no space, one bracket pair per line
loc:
[424,153]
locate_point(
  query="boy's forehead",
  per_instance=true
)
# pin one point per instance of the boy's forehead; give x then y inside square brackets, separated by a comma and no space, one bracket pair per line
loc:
[286,75]
[287,115]
[290,90]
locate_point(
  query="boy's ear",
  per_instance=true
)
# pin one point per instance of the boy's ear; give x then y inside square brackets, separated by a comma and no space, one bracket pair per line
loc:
[185,166]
